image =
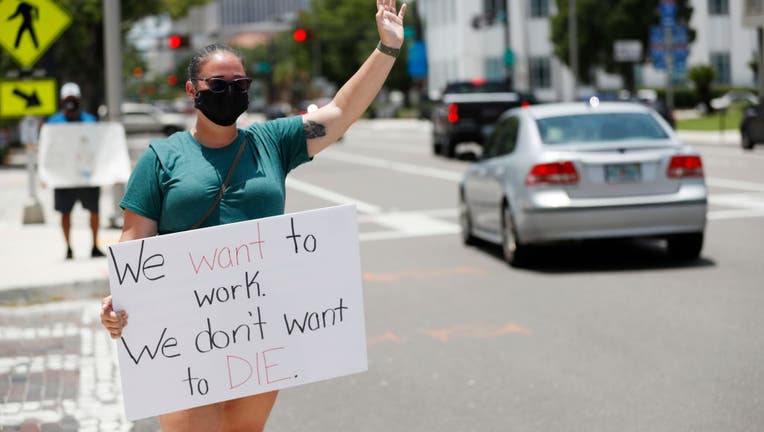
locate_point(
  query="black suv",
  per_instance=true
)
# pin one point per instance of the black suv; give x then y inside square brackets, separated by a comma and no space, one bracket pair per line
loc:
[752,127]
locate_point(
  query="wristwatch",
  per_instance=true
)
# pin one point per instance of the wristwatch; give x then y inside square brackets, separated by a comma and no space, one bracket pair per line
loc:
[393,52]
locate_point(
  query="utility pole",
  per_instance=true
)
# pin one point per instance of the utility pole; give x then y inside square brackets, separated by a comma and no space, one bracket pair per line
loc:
[760,38]
[113,55]
[669,68]
[508,54]
[112,48]
[573,44]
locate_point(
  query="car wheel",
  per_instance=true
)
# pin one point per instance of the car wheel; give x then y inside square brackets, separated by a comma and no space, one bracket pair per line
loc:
[437,146]
[515,252]
[449,148]
[465,222]
[746,141]
[685,246]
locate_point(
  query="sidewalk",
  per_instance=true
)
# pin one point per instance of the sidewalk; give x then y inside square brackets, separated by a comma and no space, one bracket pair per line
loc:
[33,264]
[58,368]
[729,137]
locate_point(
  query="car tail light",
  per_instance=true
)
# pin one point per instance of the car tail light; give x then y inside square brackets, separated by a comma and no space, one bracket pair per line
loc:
[685,166]
[556,173]
[453,113]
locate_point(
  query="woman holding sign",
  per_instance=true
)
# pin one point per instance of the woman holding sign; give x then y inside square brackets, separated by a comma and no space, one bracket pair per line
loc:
[180,182]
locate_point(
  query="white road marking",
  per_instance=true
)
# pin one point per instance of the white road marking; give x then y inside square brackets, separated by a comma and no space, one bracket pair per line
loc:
[403,167]
[735,184]
[743,200]
[331,196]
[734,214]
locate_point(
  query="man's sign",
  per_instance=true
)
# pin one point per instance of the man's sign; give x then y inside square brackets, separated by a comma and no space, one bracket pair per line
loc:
[83,154]
[235,310]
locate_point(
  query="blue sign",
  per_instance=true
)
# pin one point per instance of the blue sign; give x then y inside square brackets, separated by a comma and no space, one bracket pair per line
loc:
[667,8]
[659,59]
[679,35]
[417,60]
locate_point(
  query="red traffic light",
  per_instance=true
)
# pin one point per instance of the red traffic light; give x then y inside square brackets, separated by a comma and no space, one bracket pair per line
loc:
[174,41]
[172,80]
[300,35]
[178,41]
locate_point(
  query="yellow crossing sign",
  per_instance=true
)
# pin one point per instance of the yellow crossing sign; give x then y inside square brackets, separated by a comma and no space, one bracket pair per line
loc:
[30,27]
[30,97]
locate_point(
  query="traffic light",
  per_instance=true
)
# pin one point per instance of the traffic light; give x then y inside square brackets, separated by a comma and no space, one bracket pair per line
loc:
[300,35]
[172,80]
[177,41]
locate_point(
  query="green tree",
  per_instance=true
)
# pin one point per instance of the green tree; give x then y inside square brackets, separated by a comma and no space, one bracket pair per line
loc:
[346,33]
[702,76]
[601,23]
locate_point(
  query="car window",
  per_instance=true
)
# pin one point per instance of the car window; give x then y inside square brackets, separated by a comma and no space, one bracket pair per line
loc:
[482,87]
[504,138]
[599,127]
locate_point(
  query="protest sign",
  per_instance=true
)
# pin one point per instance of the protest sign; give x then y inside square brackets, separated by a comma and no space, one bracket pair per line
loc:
[239,309]
[83,154]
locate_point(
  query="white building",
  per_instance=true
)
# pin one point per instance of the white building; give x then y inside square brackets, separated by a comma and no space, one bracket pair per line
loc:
[462,45]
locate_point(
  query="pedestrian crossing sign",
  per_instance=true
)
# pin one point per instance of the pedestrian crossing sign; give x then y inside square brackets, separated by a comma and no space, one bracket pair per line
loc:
[30,27]
[27,97]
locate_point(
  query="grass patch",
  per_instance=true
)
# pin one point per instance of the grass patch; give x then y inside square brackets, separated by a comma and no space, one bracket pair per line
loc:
[728,120]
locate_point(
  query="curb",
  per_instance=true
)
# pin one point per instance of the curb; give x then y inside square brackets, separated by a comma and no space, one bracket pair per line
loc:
[78,290]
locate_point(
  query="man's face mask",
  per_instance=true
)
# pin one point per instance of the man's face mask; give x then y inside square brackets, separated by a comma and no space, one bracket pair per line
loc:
[71,105]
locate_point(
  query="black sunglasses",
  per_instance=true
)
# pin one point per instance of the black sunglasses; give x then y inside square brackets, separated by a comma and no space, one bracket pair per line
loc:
[219,85]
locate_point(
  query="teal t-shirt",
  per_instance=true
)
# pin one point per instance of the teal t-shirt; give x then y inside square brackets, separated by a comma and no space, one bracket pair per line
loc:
[177,179]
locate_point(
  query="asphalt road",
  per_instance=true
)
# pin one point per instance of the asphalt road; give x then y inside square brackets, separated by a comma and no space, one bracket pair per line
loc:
[598,336]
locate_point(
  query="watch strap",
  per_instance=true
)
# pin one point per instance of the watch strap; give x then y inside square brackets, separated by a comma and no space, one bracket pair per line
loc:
[393,52]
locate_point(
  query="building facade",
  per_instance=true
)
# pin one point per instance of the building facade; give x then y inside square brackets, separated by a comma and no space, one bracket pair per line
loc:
[464,43]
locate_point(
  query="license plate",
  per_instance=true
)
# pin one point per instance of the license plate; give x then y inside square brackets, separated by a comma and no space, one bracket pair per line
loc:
[623,173]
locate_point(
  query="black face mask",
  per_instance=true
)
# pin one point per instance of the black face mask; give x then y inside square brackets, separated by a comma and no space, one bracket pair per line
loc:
[71,106]
[221,108]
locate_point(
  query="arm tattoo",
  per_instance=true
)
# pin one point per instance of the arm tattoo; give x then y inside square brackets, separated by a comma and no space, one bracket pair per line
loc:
[313,129]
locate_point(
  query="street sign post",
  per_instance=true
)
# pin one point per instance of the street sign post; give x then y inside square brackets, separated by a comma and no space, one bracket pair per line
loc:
[29,128]
[21,98]
[29,28]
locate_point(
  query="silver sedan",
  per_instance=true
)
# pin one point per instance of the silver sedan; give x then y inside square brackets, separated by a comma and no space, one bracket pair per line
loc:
[579,171]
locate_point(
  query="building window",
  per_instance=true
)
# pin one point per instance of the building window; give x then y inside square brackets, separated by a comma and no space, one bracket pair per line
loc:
[539,8]
[541,73]
[718,7]
[721,64]
[494,8]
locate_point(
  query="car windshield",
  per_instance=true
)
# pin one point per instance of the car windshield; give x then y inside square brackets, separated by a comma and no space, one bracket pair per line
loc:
[600,127]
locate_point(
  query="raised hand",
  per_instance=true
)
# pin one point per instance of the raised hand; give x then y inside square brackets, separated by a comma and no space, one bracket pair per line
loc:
[390,23]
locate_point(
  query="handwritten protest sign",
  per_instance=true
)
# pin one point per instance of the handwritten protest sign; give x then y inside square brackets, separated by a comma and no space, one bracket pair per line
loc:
[235,310]
[83,154]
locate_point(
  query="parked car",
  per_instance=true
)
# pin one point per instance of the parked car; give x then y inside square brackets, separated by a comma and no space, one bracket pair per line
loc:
[468,110]
[556,172]
[752,127]
[146,118]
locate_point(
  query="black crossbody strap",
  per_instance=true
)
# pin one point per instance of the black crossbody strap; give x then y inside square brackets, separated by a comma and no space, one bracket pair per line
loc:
[223,187]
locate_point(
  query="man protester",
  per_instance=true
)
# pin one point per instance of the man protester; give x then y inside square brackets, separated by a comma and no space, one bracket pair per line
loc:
[65,198]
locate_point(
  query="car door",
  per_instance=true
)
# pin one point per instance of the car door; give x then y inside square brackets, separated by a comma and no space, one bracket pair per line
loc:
[497,170]
[484,186]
